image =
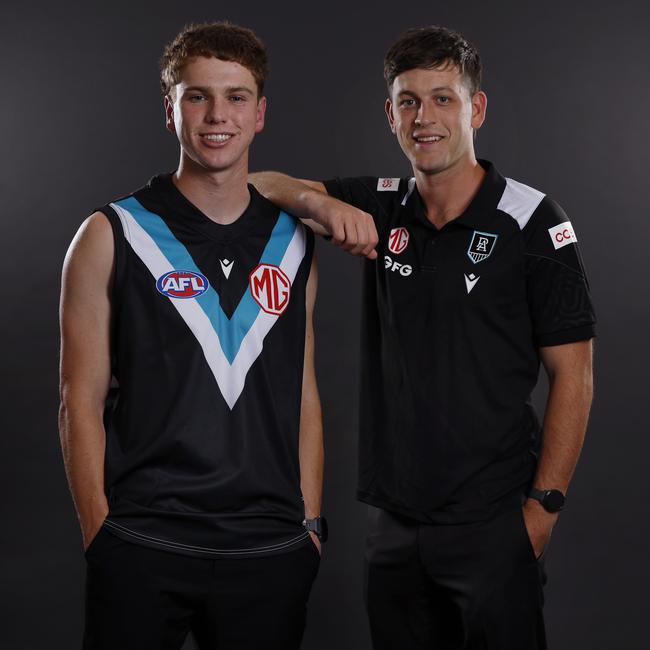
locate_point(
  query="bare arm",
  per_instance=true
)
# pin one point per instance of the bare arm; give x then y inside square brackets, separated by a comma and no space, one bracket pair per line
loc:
[569,369]
[311,424]
[85,368]
[352,229]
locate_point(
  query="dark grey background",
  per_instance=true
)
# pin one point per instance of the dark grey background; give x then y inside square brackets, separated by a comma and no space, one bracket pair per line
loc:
[82,123]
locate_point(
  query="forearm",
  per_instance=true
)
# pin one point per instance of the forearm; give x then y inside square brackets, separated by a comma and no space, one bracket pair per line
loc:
[565,423]
[83,445]
[349,227]
[293,195]
[311,455]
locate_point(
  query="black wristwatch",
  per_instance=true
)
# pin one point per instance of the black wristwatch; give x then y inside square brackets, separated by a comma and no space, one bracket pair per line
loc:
[551,500]
[317,525]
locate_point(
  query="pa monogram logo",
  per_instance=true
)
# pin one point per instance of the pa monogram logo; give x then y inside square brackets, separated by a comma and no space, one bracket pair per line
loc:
[481,246]
[270,287]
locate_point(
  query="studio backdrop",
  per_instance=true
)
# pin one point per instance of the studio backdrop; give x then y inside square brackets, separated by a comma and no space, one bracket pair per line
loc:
[82,123]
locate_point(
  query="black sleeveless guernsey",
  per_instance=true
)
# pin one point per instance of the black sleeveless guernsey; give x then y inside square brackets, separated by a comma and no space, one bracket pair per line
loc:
[208,338]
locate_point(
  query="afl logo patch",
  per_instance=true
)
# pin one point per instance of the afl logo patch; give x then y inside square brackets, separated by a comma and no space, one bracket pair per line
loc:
[182,284]
[481,246]
[270,287]
[398,240]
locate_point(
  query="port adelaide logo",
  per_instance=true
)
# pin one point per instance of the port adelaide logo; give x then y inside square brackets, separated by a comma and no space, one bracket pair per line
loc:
[398,240]
[182,284]
[481,246]
[270,287]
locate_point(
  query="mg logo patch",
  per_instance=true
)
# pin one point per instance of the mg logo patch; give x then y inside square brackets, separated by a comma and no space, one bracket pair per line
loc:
[270,287]
[481,246]
[398,240]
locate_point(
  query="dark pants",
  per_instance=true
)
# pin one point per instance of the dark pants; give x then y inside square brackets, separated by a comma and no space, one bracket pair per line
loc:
[145,599]
[451,587]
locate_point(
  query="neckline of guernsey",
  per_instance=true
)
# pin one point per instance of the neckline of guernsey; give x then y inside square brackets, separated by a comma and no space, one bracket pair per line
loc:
[191,214]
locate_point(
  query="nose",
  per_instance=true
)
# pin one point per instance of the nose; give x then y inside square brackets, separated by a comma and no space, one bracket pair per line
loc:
[425,114]
[216,112]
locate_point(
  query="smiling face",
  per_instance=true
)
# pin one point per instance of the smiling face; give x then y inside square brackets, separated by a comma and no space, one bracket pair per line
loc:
[215,112]
[434,117]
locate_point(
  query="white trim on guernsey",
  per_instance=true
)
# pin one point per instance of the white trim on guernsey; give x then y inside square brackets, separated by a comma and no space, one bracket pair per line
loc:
[519,201]
[230,378]
[202,549]
[409,191]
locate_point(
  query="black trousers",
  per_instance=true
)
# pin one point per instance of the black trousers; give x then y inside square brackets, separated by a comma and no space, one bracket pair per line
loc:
[145,599]
[451,587]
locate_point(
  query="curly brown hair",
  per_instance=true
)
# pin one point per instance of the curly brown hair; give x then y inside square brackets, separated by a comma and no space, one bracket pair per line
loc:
[222,40]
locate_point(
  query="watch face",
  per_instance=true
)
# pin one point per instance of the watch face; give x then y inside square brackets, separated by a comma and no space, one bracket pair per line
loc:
[553,501]
[324,532]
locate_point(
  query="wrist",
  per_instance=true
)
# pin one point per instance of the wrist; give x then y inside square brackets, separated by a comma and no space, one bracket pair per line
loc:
[317,526]
[551,499]
[312,201]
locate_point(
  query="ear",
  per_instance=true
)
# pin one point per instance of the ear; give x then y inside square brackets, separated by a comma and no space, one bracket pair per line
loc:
[261,113]
[479,109]
[388,107]
[169,114]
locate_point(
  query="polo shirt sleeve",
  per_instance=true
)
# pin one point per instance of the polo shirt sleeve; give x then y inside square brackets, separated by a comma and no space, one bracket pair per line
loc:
[558,291]
[361,192]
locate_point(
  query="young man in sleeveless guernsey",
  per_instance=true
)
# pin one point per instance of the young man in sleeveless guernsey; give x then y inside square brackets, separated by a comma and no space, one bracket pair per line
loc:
[479,278]
[199,500]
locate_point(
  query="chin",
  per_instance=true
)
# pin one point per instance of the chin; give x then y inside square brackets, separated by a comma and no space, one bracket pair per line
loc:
[429,167]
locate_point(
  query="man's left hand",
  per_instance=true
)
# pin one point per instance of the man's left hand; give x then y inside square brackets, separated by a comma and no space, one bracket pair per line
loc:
[539,524]
[314,538]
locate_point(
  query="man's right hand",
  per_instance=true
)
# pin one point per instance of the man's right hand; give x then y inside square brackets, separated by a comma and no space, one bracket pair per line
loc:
[350,228]
[90,529]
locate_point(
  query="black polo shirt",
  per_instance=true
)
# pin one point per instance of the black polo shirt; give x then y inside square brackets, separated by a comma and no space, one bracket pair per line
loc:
[452,323]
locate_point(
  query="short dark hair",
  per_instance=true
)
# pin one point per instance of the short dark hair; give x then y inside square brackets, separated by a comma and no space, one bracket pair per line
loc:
[222,40]
[432,47]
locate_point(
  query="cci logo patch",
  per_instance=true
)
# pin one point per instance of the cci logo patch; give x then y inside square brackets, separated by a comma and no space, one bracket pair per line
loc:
[270,287]
[481,246]
[562,234]
[398,240]
[182,284]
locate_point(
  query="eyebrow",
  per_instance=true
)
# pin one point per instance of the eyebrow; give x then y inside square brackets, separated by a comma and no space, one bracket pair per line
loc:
[239,89]
[230,89]
[433,90]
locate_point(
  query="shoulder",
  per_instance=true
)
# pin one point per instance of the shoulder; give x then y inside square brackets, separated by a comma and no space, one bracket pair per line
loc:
[388,186]
[377,195]
[530,207]
[95,232]
[520,201]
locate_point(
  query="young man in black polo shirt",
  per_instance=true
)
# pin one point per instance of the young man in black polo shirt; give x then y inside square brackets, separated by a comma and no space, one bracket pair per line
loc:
[474,281]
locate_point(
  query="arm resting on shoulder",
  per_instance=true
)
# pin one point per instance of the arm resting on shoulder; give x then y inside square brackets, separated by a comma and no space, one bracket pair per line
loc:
[352,229]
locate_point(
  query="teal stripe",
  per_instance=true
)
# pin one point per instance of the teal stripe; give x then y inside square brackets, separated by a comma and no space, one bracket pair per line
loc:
[231,332]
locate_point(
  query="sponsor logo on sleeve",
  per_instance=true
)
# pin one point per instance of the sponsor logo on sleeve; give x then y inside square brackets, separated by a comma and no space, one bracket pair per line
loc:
[182,284]
[398,240]
[562,234]
[481,246]
[270,287]
[387,184]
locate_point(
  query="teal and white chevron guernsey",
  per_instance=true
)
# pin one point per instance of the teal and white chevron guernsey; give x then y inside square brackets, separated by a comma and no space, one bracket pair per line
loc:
[202,442]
